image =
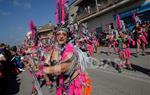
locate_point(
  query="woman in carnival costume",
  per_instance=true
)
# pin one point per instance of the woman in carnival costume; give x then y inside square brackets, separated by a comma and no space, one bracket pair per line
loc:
[68,64]
[34,61]
[145,31]
[124,51]
[140,38]
[90,46]
[112,37]
[110,41]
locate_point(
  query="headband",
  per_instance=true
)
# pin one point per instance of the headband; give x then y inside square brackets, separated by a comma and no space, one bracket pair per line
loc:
[62,29]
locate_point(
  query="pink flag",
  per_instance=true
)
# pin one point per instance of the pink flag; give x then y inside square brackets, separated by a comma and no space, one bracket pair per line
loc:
[118,21]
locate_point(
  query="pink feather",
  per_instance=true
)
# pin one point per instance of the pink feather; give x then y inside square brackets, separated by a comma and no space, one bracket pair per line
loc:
[56,15]
[63,11]
[134,17]
[32,28]
[118,21]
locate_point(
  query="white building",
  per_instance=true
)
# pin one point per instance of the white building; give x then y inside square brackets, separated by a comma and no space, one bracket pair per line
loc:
[99,13]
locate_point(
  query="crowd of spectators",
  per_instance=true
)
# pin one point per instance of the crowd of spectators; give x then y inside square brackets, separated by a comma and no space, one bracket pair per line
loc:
[10,67]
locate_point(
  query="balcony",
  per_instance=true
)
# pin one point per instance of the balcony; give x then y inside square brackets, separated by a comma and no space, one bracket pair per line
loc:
[86,12]
[101,5]
[107,3]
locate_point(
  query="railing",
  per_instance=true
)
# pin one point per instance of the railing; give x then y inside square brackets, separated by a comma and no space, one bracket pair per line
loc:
[87,12]
[110,3]
[94,9]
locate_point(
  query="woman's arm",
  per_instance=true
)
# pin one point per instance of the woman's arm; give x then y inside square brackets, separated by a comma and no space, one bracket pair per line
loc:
[63,67]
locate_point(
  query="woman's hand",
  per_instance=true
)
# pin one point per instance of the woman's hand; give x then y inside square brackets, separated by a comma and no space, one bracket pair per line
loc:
[52,69]
[46,70]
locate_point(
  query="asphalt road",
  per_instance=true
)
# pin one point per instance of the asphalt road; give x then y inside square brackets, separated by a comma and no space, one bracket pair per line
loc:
[106,79]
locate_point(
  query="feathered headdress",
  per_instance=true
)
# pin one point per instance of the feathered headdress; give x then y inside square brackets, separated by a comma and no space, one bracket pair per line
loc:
[32,29]
[118,21]
[61,27]
[136,18]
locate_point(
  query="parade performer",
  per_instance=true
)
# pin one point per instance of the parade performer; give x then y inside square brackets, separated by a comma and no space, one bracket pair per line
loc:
[94,41]
[90,46]
[124,51]
[35,59]
[111,38]
[140,34]
[36,50]
[140,38]
[68,64]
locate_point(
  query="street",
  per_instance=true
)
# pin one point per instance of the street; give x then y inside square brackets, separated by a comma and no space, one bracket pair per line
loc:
[41,46]
[106,80]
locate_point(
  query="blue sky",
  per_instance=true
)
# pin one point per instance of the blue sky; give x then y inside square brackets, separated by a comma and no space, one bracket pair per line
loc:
[16,14]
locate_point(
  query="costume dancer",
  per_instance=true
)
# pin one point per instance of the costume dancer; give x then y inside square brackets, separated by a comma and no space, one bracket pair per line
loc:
[111,38]
[69,66]
[140,38]
[124,51]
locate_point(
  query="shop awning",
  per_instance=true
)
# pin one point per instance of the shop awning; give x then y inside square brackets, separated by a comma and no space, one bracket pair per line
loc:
[140,9]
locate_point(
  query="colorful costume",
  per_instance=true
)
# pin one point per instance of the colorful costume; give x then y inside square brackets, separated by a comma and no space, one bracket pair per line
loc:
[140,38]
[124,51]
[67,82]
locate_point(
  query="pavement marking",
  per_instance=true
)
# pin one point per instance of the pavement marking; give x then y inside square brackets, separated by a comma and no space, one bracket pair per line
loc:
[130,77]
